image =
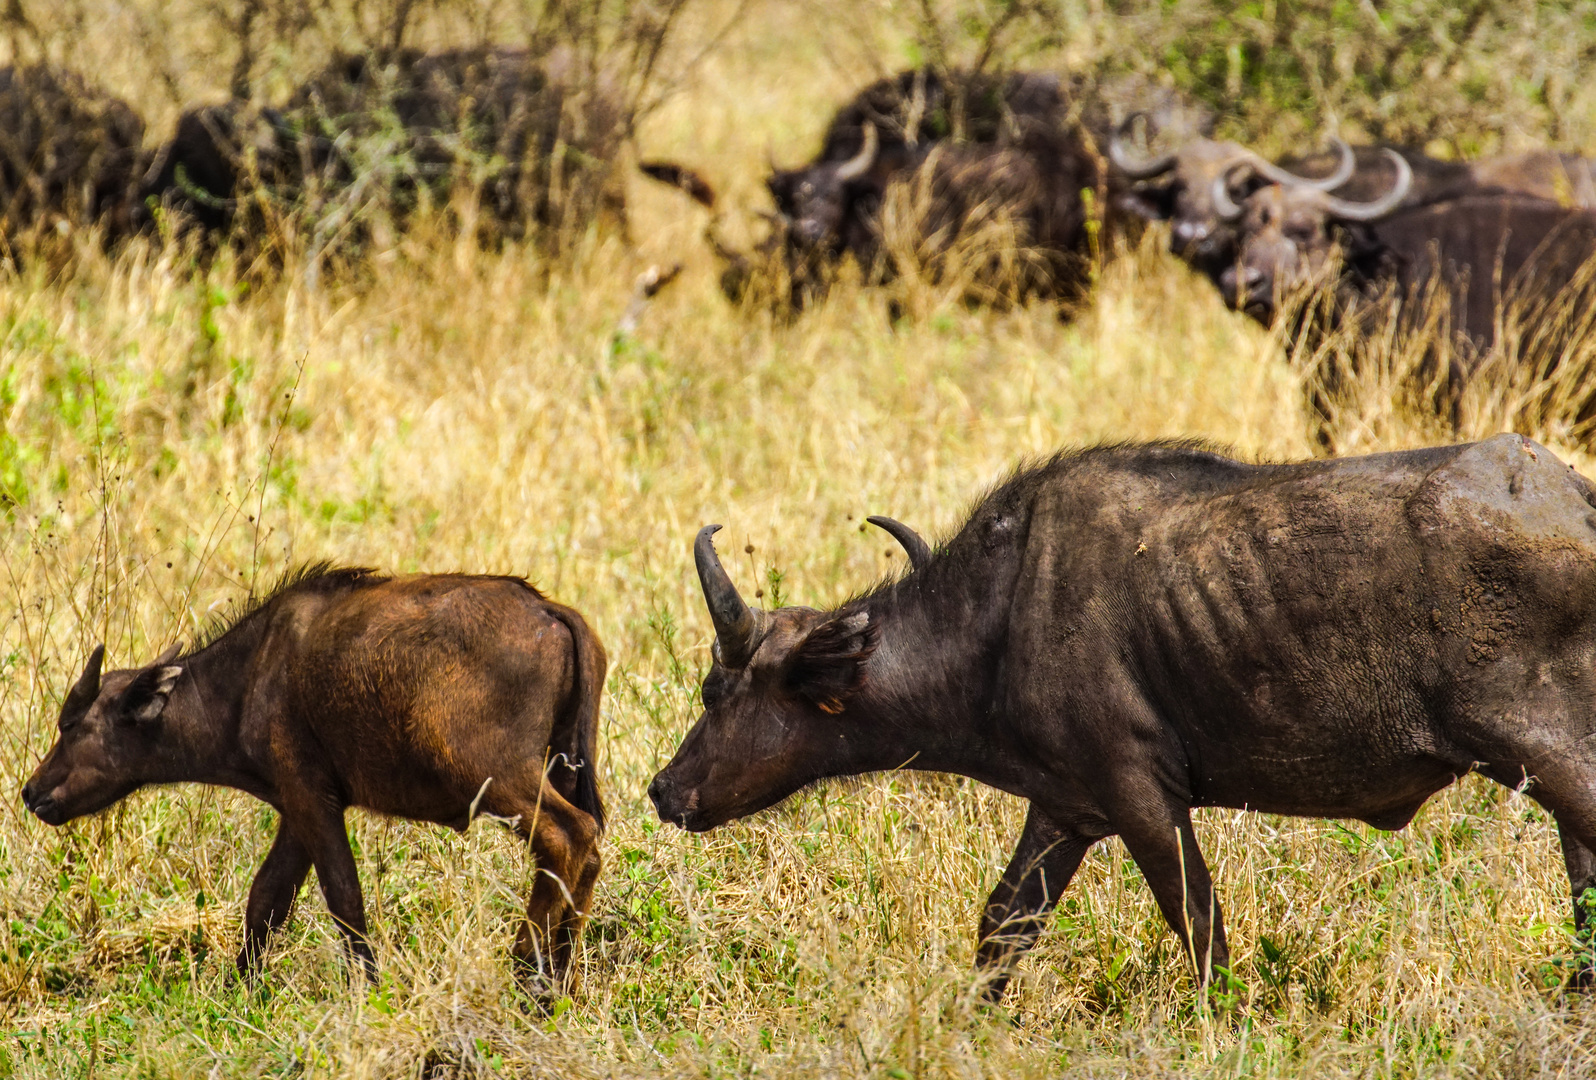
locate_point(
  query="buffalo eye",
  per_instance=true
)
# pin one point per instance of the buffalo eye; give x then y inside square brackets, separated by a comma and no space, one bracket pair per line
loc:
[714,689]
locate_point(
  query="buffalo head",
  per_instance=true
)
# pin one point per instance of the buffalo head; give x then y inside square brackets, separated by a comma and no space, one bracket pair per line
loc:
[778,700]
[814,201]
[1286,234]
[108,743]
[1178,187]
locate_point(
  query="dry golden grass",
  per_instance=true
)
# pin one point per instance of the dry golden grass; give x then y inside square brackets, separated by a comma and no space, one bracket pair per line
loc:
[173,443]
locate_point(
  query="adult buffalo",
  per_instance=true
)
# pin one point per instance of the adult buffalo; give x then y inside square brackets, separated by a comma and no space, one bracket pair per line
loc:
[1180,186]
[960,152]
[429,697]
[403,131]
[69,153]
[1489,252]
[1121,634]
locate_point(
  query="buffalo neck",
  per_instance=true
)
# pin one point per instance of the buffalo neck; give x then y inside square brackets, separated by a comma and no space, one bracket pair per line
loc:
[202,724]
[930,697]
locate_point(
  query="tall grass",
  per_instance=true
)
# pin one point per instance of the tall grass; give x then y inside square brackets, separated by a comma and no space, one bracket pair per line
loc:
[170,441]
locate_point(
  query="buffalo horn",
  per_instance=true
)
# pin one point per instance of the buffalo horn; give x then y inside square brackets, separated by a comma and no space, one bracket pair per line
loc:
[1226,207]
[1343,171]
[1120,154]
[860,163]
[735,625]
[87,688]
[918,550]
[1379,208]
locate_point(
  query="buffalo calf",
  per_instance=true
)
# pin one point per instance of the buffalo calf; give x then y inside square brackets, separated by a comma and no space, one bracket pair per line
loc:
[1122,634]
[426,697]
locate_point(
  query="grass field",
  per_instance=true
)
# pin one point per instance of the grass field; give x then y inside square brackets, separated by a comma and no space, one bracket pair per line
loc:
[170,440]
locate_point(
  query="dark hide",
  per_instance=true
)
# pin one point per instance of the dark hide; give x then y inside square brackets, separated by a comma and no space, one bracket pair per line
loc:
[426,697]
[1488,248]
[406,132]
[985,145]
[218,155]
[69,154]
[1183,195]
[1122,634]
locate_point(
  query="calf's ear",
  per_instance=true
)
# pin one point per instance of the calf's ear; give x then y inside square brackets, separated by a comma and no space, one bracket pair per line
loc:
[146,696]
[828,666]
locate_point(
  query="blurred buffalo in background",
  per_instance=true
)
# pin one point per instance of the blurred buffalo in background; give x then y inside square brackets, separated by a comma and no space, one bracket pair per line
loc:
[994,176]
[69,155]
[371,139]
[1178,186]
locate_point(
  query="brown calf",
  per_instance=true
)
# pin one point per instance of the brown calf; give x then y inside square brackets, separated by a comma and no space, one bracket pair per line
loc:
[427,697]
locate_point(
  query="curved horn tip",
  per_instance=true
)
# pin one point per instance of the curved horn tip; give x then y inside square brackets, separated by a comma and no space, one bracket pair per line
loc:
[736,626]
[1348,163]
[1385,204]
[1226,207]
[860,163]
[1121,157]
[914,546]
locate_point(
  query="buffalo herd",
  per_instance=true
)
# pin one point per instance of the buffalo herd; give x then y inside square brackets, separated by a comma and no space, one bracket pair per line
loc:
[1116,635]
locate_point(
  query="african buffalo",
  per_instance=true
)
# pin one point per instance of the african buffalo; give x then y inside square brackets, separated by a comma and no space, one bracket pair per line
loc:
[1121,634]
[404,131]
[426,697]
[1180,186]
[969,149]
[69,153]
[1490,251]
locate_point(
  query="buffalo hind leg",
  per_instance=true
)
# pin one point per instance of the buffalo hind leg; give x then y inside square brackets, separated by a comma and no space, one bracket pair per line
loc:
[564,842]
[1165,849]
[1044,861]
[272,894]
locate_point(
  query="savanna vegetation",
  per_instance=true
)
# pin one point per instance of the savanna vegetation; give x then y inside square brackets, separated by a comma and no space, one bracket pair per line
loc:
[179,425]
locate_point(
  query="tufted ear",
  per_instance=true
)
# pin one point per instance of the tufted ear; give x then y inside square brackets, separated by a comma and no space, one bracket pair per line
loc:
[146,696]
[828,666]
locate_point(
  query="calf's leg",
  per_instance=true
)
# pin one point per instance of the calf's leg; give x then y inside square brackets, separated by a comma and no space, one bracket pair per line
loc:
[564,841]
[272,894]
[1044,861]
[319,826]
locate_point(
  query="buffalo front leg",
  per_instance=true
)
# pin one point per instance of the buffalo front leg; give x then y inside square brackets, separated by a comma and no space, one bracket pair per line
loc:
[272,894]
[1581,864]
[1044,861]
[1165,849]
[320,828]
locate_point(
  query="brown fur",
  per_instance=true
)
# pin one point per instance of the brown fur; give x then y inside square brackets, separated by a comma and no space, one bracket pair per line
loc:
[421,697]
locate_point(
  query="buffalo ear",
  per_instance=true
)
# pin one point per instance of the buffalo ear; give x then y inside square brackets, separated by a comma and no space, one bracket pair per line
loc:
[145,697]
[828,666]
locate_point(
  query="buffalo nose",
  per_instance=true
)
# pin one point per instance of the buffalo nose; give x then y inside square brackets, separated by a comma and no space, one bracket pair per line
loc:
[27,796]
[656,791]
[1190,232]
